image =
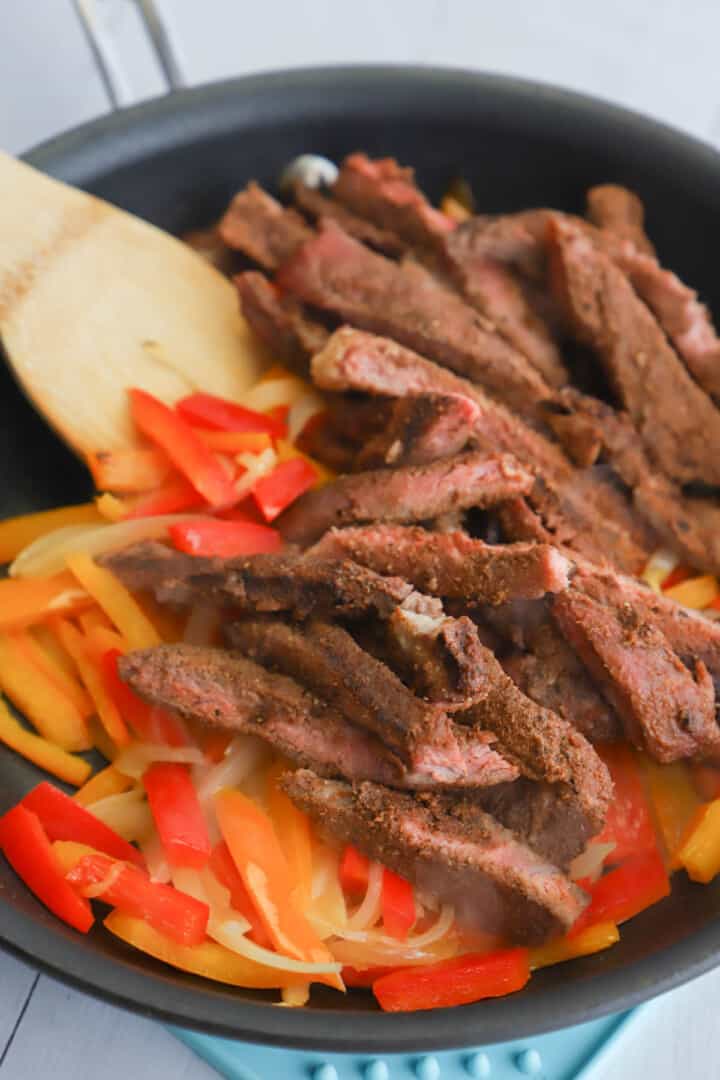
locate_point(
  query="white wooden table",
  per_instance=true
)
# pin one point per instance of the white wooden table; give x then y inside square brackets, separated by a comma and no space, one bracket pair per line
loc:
[658,56]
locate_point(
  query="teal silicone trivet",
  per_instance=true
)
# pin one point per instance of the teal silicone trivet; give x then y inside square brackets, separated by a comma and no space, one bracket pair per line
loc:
[562,1055]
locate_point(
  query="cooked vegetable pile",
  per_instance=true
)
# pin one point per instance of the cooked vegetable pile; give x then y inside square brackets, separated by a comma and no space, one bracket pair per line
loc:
[396,665]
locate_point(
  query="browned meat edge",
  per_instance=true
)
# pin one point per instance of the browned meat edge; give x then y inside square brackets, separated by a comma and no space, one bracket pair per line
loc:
[421,429]
[261,228]
[279,321]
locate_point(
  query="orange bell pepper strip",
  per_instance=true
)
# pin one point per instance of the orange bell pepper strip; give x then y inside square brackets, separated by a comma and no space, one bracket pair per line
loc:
[115,600]
[700,851]
[175,914]
[46,755]
[397,905]
[235,442]
[591,940]
[46,662]
[209,960]
[629,822]
[457,981]
[258,856]
[224,539]
[104,783]
[173,434]
[697,592]
[225,870]
[94,619]
[177,814]
[64,819]
[172,497]
[354,871]
[294,832]
[55,716]
[674,801]
[26,601]
[91,675]
[27,848]
[219,414]
[17,532]
[129,470]
[636,884]
[288,480]
[150,724]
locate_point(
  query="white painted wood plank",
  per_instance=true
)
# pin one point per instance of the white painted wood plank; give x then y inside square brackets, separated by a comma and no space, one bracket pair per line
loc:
[68,1036]
[16,980]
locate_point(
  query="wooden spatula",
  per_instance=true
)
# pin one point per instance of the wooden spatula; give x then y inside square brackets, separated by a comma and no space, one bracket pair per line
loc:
[94,300]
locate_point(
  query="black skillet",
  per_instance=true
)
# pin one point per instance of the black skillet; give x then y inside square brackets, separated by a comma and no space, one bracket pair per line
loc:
[177,161]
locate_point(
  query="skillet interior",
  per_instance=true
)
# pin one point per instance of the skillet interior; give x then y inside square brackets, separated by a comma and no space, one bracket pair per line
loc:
[176,162]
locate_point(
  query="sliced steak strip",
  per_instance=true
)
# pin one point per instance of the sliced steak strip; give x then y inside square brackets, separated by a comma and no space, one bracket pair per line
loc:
[336,273]
[385,193]
[317,206]
[452,564]
[265,583]
[327,660]
[452,849]
[262,228]
[664,709]
[619,211]
[676,419]
[422,429]
[280,321]
[591,515]
[410,493]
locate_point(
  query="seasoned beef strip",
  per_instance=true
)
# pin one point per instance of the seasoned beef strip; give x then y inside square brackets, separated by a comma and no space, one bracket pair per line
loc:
[421,429]
[664,709]
[326,659]
[261,228]
[317,206]
[259,582]
[410,493]
[451,564]
[619,211]
[676,419]
[539,815]
[450,848]
[591,516]
[226,690]
[336,273]
[280,321]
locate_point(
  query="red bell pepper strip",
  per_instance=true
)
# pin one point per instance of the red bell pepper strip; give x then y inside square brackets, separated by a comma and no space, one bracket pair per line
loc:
[676,577]
[283,485]
[64,819]
[28,850]
[149,723]
[219,414]
[629,823]
[174,913]
[167,429]
[172,497]
[453,982]
[354,871]
[225,870]
[398,905]
[177,814]
[225,539]
[625,891]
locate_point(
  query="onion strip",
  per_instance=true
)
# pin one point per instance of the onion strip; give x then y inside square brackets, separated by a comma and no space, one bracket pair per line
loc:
[369,911]
[139,756]
[92,892]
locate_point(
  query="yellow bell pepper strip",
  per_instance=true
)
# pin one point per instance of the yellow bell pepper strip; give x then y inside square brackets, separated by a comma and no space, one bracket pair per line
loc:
[106,782]
[46,755]
[454,209]
[16,533]
[591,940]
[209,960]
[256,851]
[93,619]
[177,814]
[25,601]
[129,470]
[27,848]
[46,662]
[102,741]
[64,819]
[457,981]
[627,890]
[110,507]
[674,801]
[91,675]
[698,592]
[51,713]
[115,600]
[48,642]
[294,831]
[700,852]
[70,852]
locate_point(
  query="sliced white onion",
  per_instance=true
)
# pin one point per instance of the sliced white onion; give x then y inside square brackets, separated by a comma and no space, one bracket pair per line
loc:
[659,565]
[369,911]
[92,892]
[302,411]
[589,863]
[231,934]
[365,954]
[127,813]
[327,901]
[295,996]
[244,755]
[137,758]
[256,466]
[157,865]
[269,393]
[46,555]
[439,928]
